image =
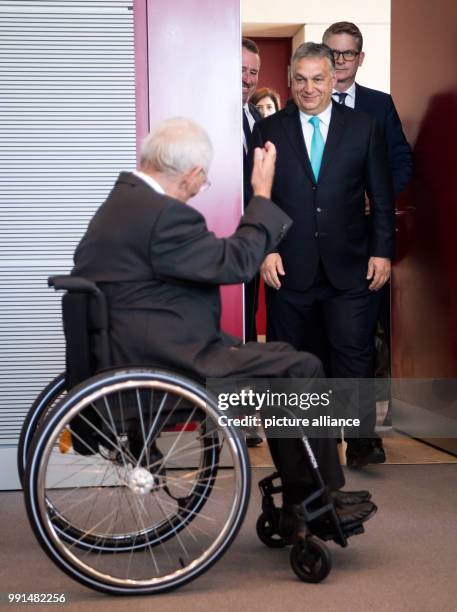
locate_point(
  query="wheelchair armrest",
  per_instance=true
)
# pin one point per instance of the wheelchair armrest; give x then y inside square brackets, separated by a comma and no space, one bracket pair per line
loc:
[73,283]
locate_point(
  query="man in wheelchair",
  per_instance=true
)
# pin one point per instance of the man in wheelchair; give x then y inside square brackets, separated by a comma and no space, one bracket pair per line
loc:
[160,269]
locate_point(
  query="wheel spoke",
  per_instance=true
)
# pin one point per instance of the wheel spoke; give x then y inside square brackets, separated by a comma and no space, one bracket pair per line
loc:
[142,507]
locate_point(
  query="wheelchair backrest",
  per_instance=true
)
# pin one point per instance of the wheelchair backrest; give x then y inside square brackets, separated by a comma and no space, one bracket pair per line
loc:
[86,328]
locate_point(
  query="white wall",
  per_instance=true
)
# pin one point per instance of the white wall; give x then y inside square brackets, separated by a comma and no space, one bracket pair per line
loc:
[287,11]
[307,20]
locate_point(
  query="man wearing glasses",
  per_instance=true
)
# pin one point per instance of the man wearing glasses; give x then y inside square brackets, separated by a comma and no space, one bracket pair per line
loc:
[346,42]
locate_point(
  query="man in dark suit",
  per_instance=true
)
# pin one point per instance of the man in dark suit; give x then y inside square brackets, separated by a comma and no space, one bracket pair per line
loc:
[335,257]
[160,269]
[249,78]
[346,41]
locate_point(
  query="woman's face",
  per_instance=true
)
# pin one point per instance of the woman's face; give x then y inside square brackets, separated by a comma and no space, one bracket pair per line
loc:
[266,107]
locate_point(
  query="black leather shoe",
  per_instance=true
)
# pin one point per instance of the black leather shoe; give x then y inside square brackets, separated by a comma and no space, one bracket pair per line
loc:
[252,441]
[292,524]
[350,516]
[341,499]
[364,451]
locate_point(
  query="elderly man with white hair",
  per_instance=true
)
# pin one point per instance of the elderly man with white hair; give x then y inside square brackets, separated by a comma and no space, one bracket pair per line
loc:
[160,268]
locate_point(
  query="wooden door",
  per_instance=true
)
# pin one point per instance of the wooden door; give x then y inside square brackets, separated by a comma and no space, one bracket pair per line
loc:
[424,306]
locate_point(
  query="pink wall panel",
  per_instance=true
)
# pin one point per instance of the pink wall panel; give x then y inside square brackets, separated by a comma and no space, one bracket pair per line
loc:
[193,69]
[141,71]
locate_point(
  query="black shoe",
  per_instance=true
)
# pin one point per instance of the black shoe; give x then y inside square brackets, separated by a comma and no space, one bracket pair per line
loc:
[252,441]
[364,451]
[293,527]
[341,499]
[351,516]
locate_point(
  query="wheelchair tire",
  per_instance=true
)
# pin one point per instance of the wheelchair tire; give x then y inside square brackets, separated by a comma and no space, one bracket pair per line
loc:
[310,560]
[267,530]
[152,542]
[40,407]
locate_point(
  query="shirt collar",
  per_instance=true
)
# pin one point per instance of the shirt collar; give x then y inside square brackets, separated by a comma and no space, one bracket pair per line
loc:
[324,116]
[150,181]
[247,110]
[350,91]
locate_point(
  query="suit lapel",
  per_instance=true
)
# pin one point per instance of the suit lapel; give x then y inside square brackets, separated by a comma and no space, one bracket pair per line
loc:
[335,133]
[254,112]
[360,98]
[294,132]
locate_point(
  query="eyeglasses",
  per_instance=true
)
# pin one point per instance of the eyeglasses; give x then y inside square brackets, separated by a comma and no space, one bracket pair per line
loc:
[206,185]
[348,56]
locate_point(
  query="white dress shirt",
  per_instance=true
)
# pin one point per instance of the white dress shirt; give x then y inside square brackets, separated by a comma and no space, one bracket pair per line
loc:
[308,129]
[251,122]
[150,181]
[350,98]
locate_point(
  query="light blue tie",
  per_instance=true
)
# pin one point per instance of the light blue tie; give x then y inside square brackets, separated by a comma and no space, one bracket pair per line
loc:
[317,147]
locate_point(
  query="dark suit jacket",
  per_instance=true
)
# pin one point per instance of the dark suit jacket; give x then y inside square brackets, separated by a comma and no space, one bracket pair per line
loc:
[329,217]
[247,167]
[160,268]
[381,106]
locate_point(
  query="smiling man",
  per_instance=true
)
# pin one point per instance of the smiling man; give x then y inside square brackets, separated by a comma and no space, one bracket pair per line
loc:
[250,67]
[335,257]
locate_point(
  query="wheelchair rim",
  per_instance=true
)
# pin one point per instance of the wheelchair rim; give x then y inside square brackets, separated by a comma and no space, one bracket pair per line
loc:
[47,529]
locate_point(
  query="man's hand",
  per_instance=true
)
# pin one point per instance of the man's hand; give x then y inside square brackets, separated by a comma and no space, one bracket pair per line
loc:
[378,272]
[264,170]
[271,267]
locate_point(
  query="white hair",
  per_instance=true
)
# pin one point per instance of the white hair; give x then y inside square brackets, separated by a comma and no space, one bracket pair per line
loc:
[176,145]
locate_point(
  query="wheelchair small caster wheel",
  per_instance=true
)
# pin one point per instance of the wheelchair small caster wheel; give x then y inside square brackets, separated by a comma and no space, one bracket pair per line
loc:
[310,560]
[267,530]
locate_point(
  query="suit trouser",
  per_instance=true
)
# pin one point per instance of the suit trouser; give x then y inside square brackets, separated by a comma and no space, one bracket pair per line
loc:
[347,318]
[251,299]
[280,360]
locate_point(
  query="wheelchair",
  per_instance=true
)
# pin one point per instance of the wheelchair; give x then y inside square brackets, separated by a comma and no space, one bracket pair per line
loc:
[131,485]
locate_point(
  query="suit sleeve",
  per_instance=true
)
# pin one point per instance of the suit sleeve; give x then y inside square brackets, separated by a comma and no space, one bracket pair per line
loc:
[256,140]
[400,156]
[183,249]
[380,193]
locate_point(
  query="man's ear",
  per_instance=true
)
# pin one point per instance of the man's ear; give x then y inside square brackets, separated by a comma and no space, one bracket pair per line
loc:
[195,172]
[361,57]
[189,176]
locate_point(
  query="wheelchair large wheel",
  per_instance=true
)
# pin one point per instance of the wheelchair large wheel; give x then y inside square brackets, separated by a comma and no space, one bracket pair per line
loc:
[45,401]
[136,518]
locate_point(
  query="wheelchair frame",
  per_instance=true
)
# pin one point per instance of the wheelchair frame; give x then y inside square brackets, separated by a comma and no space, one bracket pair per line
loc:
[95,555]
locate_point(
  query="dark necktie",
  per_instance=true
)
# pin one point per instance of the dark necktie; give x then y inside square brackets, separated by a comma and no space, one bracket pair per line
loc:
[246,127]
[341,97]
